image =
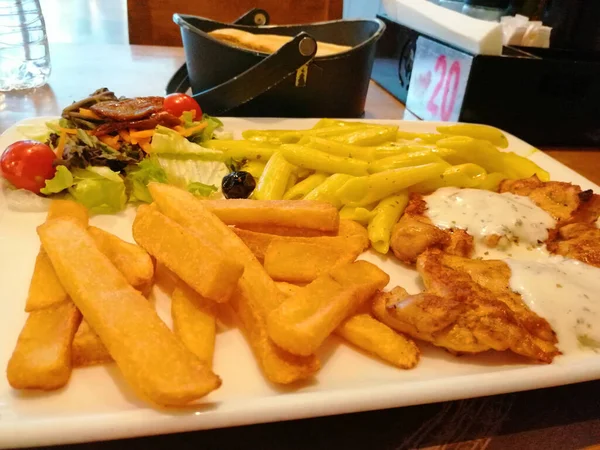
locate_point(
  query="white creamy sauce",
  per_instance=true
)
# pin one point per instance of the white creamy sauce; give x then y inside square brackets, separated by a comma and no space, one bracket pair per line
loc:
[484,213]
[566,293]
[563,291]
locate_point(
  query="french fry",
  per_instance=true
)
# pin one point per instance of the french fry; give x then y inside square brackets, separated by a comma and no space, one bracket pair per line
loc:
[373,336]
[194,322]
[287,231]
[150,357]
[351,228]
[88,349]
[42,357]
[288,289]
[302,261]
[44,289]
[302,322]
[192,255]
[131,260]
[256,294]
[137,268]
[286,213]
[258,243]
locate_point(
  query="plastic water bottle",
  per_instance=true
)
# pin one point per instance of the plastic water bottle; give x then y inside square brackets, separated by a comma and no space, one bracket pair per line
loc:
[24,55]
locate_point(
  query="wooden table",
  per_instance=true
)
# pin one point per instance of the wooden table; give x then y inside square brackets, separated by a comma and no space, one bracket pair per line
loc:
[559,418]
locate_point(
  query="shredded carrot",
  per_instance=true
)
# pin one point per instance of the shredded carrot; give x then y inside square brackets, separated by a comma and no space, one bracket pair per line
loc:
[60,147]
[88,113]
[68,130]
[179,129]
[112,141]
[124,135]
[142,134]
[189,131]
[145,144]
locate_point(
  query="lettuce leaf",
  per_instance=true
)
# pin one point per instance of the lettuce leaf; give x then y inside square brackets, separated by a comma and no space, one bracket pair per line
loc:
[139,176]
[206,134]
[38,132]
[201,189]
[183,171]
[99,189]
[63,179]
[167,141]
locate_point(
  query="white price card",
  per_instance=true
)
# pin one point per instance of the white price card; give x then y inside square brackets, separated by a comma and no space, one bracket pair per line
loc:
[438,82]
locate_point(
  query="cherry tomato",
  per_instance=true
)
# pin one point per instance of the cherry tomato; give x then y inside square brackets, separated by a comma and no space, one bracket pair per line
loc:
[177,104]
[27,165]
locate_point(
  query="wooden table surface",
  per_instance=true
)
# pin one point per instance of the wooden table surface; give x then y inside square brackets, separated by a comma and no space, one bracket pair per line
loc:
[558,418]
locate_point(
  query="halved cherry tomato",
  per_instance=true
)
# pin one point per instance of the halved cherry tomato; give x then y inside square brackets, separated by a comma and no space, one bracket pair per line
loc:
[177,104]
[27,165]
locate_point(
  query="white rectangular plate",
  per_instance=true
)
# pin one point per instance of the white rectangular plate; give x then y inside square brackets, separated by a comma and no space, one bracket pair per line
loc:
[98,405]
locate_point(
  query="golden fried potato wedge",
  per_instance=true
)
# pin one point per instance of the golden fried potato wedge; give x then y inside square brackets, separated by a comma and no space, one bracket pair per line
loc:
[259,242]
[303,262]
[42,357]
[286,231]
[131,260]
[44,289]
[256,294]
[192,254]
[286,213]
[194,322]
[152,360]
[88,349]
[288,289]
[373,336]
[302,322]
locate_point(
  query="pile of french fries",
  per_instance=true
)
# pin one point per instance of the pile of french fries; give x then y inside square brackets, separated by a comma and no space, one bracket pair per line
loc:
[287,269]
[366,170]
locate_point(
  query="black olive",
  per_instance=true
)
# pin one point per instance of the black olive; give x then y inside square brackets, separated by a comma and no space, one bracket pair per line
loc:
[238,185]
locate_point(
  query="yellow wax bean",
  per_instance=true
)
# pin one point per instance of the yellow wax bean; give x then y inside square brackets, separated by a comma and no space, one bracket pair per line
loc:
[259,153]
[386,151]
[368,136]
[299,190]
[359,214]
[364,190]
[476,131]
[274,179]
[254,167]
[326,191]
[338,149]
[386,214]
[408,159]
[310,158]
[463,175]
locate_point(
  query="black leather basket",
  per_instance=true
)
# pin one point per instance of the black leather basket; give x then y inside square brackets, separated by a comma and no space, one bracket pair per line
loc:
[292,82]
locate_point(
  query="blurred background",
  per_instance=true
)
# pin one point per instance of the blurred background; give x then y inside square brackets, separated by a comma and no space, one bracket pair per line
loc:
[106,21]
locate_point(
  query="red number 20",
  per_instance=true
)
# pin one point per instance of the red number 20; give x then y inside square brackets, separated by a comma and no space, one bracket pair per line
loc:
[448,80]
